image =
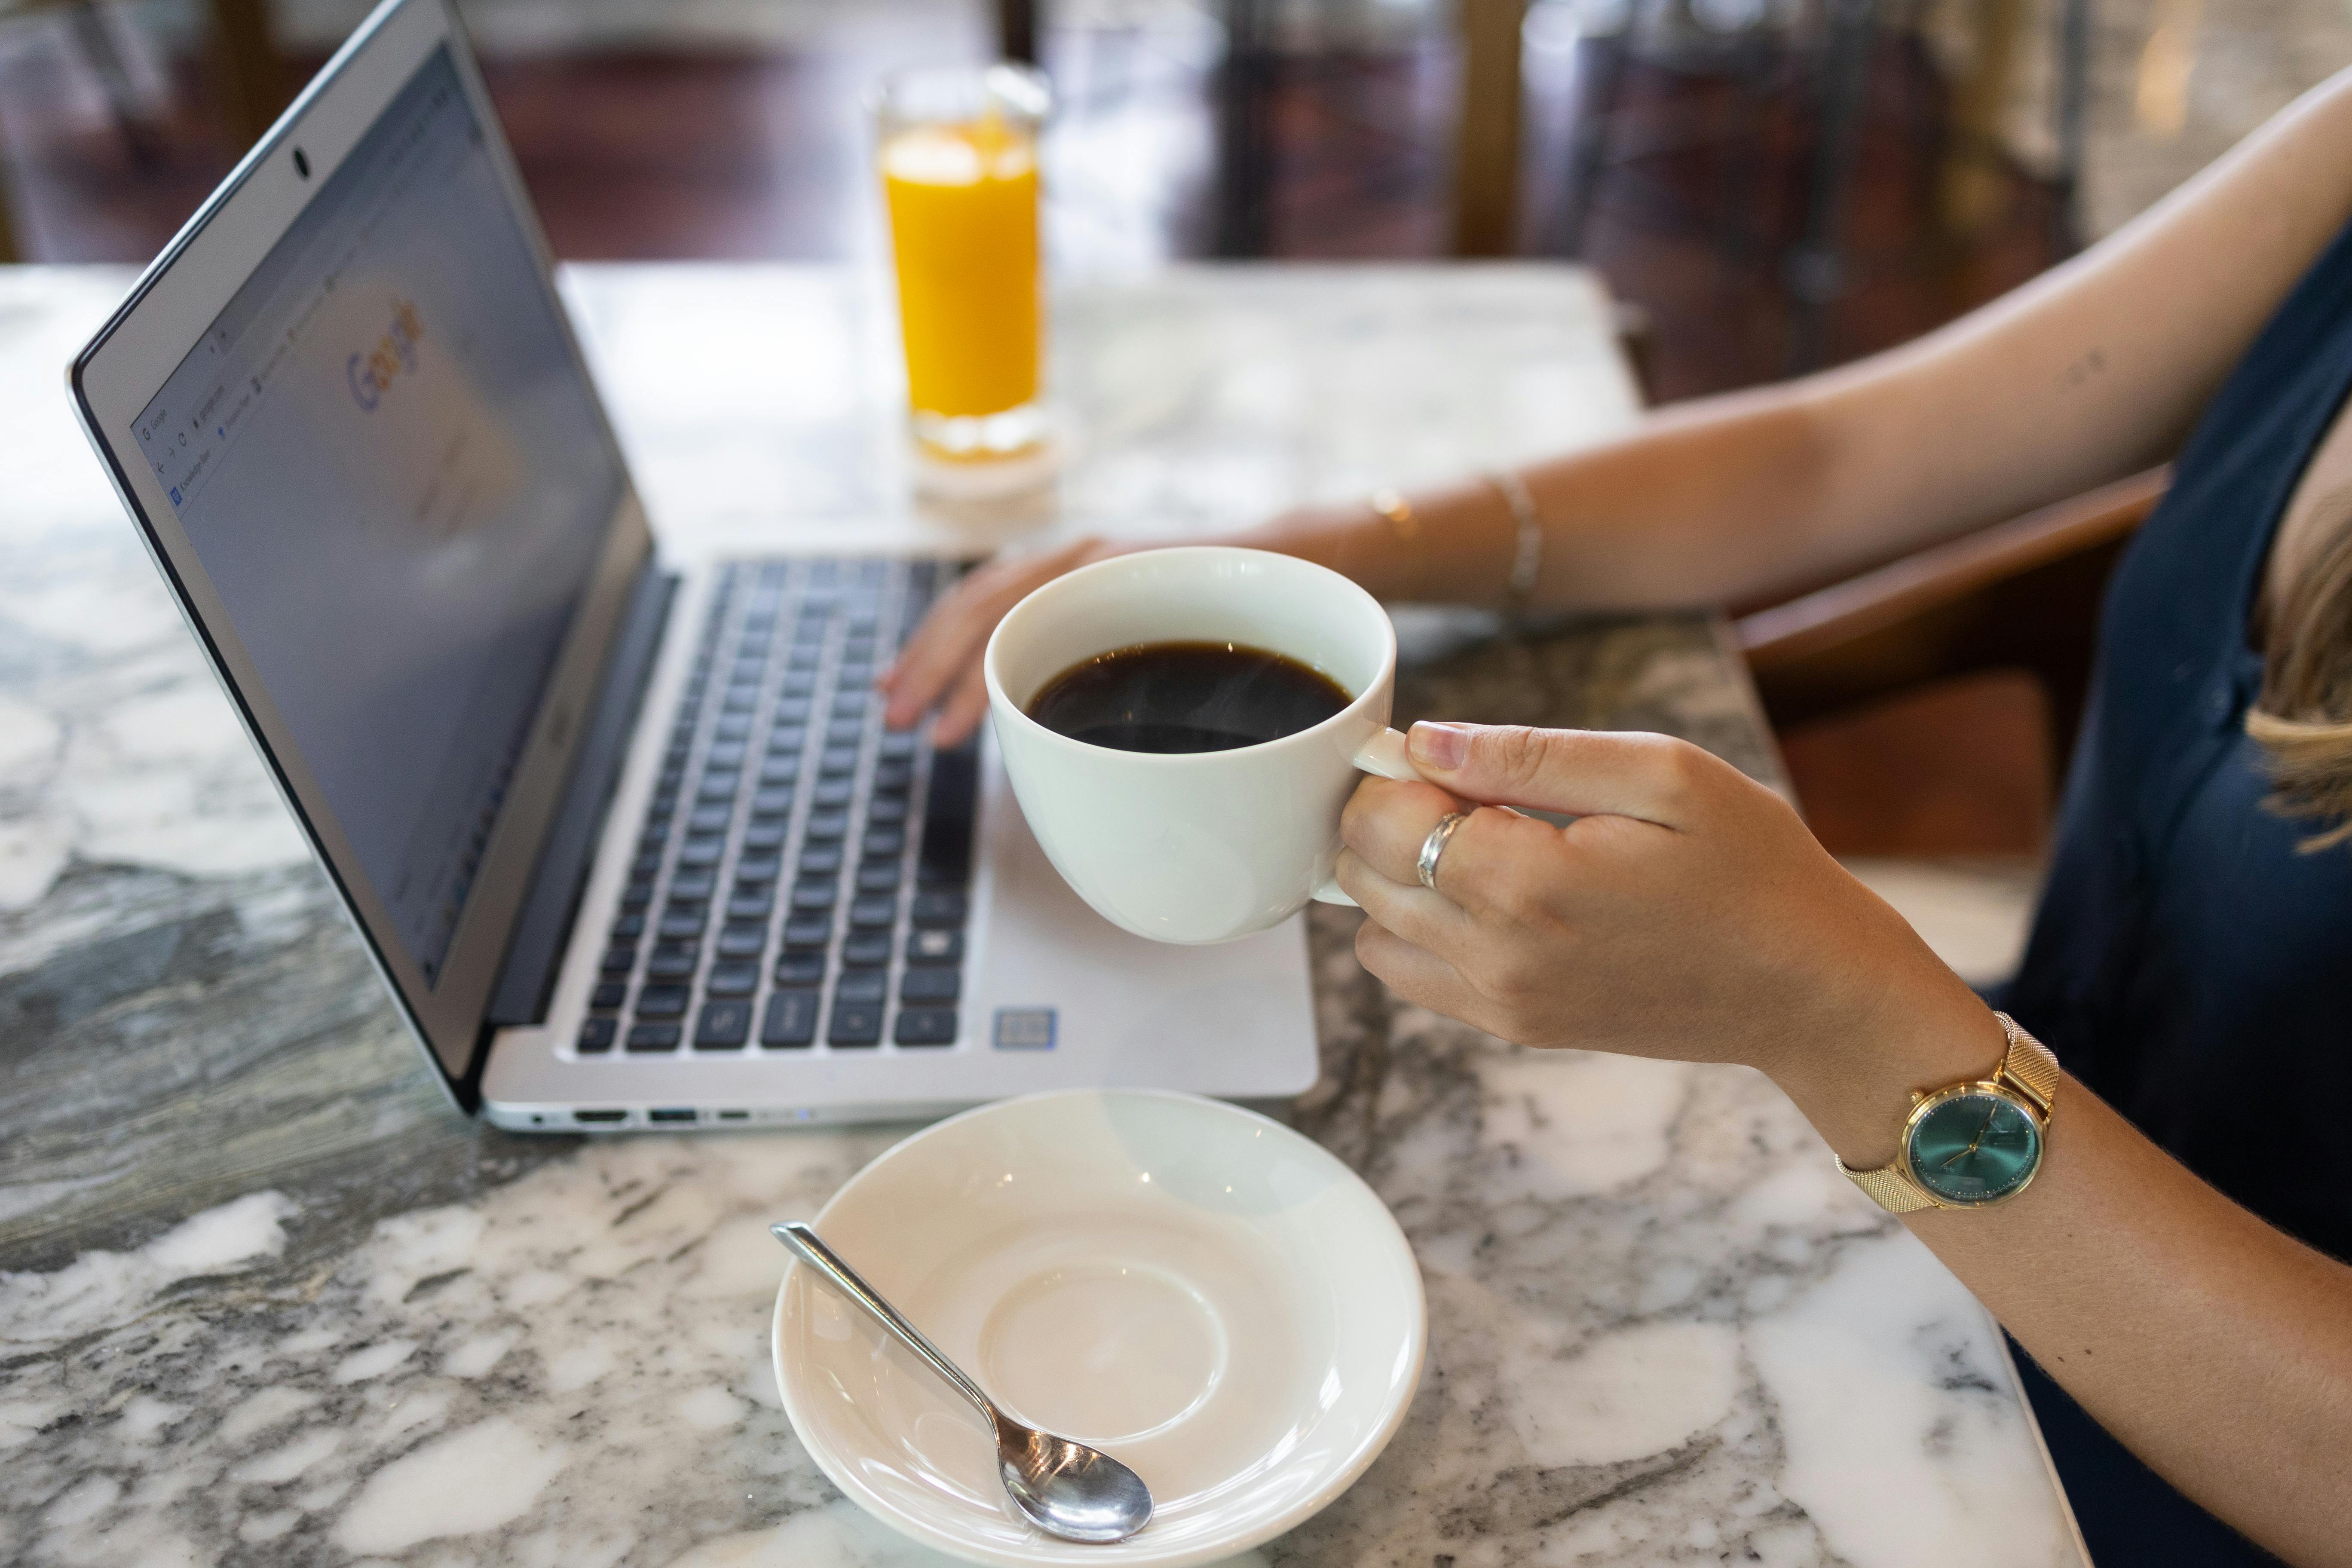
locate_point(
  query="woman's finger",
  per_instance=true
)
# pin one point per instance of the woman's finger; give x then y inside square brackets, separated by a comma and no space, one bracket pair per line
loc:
[1583,773]
[948,643]
[1386,820]
[1494,859]
[1498,862]
[963,711]
[952,636]
[1417,974]
[1412,911]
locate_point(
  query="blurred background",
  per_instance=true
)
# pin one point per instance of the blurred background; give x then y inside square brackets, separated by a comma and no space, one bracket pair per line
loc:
[1767,186]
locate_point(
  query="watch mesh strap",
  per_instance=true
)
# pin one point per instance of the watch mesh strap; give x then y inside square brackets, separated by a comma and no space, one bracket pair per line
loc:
[1889,1188]
[2028,1067]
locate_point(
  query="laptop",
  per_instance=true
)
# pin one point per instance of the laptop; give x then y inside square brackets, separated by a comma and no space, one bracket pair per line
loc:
[626,836]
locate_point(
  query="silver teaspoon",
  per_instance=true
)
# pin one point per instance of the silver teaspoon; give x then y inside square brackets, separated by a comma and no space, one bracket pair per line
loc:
[1063,1488]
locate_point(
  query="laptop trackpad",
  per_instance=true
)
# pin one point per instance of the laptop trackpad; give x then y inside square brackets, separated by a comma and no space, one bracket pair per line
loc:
[1236,1018]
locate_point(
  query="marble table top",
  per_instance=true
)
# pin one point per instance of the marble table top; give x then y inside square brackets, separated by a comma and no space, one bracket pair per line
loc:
[264,1298]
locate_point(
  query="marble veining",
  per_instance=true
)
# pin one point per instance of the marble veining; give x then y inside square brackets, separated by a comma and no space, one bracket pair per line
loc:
[1660,1332]
[263,1299]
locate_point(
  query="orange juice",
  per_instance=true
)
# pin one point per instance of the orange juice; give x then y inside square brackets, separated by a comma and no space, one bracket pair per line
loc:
[963,223]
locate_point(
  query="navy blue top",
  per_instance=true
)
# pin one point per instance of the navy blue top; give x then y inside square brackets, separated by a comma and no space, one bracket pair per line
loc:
[2188,964]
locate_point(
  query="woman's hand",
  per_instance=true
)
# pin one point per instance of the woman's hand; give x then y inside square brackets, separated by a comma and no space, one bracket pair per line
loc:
[940,663]
[1686,913]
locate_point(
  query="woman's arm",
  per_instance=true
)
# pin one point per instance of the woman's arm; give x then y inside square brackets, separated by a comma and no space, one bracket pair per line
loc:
[1687,914]
[2217,1349]
[2093,370]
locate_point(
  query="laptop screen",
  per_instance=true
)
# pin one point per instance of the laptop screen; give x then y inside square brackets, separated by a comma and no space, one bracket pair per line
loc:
[390,465]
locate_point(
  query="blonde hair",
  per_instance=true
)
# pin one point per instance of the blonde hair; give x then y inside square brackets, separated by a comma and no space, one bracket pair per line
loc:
[2303,718]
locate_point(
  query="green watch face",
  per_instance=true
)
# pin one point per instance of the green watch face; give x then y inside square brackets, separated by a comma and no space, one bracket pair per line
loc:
[1974,1148]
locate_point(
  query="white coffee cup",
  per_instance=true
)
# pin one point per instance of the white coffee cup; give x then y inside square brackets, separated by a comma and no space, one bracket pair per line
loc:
[1196,846]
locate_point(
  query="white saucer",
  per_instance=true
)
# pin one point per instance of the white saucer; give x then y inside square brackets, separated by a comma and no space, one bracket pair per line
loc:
[1200,1293]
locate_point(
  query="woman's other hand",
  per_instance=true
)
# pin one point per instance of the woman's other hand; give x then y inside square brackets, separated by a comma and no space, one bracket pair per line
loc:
[940,663]
[1686,913]
[940,666]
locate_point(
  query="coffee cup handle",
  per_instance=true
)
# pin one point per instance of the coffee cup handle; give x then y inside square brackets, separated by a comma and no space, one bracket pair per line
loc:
[1383,755]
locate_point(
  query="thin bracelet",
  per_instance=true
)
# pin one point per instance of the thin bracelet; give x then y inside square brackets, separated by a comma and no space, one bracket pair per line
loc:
[1527,559]
[1404,525]
[1402,518]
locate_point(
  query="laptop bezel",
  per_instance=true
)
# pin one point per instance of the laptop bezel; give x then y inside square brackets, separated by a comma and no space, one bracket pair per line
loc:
[168,311]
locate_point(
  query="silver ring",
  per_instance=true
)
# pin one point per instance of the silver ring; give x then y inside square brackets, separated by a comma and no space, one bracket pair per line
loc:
[1434,845]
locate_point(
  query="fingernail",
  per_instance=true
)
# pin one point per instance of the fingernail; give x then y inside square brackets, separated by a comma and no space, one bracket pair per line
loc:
[1439,745]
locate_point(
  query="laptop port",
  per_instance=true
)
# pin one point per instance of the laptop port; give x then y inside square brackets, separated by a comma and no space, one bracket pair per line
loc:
[669,1115]
[600,1116]
[734,1116]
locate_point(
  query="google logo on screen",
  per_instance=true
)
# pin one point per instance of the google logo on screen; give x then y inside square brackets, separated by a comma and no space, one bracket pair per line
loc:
[372,372]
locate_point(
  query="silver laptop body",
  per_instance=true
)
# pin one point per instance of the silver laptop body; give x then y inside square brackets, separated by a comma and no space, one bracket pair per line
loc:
[626,838]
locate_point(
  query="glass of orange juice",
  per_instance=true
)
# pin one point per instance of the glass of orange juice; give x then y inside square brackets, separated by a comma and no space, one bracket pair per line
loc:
[959,161]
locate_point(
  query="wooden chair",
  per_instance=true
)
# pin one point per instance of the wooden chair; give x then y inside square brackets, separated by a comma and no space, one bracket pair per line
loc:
[250,71]
[1486,141]
[96,41]
[1487,154]
[249,77]
[1016,30]
[2021,595]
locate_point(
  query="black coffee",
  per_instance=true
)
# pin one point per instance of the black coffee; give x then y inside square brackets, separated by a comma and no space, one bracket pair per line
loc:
[1186,697]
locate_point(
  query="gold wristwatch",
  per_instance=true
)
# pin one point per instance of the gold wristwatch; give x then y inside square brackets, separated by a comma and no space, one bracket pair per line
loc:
[1974,1144]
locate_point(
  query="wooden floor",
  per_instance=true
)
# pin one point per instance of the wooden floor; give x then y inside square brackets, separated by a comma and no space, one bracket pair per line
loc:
[715,155]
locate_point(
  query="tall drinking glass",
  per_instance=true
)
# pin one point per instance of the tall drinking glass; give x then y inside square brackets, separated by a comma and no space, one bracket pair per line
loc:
[958,160]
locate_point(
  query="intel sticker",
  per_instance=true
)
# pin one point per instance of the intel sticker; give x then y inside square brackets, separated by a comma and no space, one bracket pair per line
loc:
[1025,1028]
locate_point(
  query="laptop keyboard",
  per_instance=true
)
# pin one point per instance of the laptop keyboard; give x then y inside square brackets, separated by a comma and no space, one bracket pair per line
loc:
[801,879]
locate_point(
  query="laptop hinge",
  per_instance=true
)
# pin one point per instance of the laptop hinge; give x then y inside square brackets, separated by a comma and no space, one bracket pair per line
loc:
[543,924]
